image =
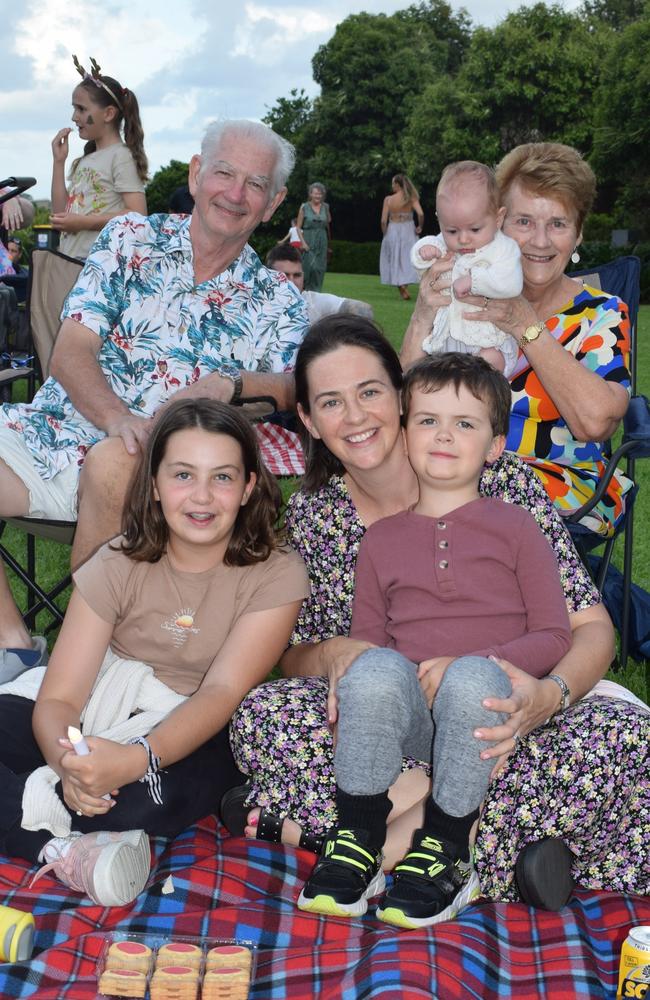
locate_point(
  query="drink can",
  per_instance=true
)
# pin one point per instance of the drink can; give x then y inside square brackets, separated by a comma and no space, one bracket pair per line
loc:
[16,935]
[634,973]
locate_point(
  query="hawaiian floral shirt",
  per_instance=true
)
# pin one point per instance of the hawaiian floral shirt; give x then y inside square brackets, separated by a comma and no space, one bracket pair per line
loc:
[160,332]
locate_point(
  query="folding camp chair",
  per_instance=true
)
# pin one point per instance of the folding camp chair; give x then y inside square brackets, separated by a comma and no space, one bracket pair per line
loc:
[618,277]
[52,275]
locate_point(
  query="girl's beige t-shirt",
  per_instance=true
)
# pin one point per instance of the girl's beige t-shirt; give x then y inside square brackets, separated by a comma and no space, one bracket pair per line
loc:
[177,622]
[96,186]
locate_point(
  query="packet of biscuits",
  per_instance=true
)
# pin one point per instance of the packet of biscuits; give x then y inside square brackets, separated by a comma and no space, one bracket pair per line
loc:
[178,967]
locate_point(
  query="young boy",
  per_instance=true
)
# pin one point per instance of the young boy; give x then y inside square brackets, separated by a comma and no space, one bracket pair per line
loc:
[442,590]
[486,263]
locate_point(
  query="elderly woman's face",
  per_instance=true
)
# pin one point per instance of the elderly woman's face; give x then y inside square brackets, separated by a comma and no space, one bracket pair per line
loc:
[546,232]
[354,407]
[316,194]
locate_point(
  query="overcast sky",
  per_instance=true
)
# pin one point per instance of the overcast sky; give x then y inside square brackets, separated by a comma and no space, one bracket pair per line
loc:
[188,62]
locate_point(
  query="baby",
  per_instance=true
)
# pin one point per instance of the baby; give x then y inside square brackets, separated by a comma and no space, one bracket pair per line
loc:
[486,263]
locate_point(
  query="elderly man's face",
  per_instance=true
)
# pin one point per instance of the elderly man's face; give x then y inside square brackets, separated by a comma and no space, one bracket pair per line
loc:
[293,270]
[232,192]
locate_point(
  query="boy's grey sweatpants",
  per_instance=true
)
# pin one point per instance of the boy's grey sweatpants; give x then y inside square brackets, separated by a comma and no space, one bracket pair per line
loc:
[383,716]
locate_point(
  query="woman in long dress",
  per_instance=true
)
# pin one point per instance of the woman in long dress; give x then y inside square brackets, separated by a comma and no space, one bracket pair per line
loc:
[400,234]
[315,220]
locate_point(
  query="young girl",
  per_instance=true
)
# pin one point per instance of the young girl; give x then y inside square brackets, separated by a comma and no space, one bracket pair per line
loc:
[295,237]
[109,178]
[169,626]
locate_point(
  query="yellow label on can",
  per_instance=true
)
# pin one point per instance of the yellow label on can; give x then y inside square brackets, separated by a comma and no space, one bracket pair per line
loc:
[634,972]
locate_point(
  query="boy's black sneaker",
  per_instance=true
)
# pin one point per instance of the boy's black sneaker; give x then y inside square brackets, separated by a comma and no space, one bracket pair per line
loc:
[430,885]
[347,874]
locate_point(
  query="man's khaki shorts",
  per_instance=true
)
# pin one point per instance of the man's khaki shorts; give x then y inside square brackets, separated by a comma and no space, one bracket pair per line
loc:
[54,498]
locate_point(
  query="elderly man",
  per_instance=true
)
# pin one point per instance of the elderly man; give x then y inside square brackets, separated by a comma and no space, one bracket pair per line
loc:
[288,260]
[165,305]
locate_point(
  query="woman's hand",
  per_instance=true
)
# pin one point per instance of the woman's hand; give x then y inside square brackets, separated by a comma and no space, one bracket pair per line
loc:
[430,674]
[60,148]
[340,652]
[433,294]
[11,213]
[531,703]
[512,316]
[105,769]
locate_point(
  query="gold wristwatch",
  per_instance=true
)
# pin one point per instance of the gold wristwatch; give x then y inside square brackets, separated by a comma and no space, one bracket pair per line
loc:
[530,334]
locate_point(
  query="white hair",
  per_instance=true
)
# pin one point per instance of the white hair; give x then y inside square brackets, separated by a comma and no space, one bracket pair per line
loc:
[285,154]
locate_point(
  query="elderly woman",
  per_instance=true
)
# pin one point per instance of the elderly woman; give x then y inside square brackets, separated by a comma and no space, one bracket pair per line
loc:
[315,220]
[564,776]
[570,385]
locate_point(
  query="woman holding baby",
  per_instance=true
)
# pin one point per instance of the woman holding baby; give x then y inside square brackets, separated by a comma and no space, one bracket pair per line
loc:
[570,381]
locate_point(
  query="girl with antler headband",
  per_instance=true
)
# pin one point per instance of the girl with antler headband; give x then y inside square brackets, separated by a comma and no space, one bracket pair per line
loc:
[109,178]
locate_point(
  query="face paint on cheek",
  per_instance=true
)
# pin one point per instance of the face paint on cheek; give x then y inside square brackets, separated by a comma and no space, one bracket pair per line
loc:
[90,120]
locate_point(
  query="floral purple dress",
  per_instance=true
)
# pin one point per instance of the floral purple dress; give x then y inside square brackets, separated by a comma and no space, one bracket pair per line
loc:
[584,776]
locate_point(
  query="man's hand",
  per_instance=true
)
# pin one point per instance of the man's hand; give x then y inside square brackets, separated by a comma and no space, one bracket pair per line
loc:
[133,430]
[430,674]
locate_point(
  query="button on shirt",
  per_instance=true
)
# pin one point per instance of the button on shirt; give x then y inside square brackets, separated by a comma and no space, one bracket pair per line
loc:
[160,331]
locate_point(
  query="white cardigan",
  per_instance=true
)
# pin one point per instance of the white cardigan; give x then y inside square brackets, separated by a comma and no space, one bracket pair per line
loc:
[127,700]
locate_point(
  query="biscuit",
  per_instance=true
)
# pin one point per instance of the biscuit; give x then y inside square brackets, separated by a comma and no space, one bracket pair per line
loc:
[128,955]
[232,956]
[174,982]
[123,983]
[179,953]
[225,984]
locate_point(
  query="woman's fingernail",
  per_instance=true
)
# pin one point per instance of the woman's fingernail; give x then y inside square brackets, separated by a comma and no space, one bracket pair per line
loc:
[253,821]
[478,734]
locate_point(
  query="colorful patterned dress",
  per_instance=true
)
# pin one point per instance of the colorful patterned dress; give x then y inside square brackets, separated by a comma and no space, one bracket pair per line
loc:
[595,328]
[281,739]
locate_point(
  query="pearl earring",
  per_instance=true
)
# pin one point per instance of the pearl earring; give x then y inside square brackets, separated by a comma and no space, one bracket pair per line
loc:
[575,257]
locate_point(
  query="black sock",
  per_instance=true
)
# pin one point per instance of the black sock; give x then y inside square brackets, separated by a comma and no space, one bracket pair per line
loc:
[454,829]
[364,812]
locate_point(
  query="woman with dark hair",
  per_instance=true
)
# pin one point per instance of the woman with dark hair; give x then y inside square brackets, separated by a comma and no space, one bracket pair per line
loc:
[168,627]
[564,749]
[109,178]
[400,235]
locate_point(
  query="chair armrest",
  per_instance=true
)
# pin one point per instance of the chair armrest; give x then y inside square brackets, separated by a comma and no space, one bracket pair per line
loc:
[635,444]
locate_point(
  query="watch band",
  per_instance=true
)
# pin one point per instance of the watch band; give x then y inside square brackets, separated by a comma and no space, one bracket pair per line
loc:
[565,701]
[530,334]
[233,375]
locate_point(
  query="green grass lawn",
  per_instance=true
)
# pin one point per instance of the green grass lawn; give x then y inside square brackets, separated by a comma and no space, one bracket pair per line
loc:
[393,314]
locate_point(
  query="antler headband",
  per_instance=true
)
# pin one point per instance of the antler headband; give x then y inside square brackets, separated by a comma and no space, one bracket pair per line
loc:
[95,77]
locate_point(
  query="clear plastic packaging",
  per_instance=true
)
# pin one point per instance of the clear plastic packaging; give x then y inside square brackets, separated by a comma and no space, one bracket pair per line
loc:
[157,966]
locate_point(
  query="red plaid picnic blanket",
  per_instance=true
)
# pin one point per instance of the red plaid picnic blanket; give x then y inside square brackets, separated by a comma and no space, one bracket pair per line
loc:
[232,888]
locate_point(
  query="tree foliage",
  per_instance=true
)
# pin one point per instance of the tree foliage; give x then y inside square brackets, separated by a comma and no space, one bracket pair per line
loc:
[529,79]
[622,124]
[163,184]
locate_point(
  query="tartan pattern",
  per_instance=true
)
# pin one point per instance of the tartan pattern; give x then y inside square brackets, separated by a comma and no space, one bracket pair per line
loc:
[227,887]
[281,450]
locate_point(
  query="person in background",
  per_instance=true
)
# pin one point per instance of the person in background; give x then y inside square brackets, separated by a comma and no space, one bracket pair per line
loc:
[109,178]
[315,221]
[399,234]
[288,260]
